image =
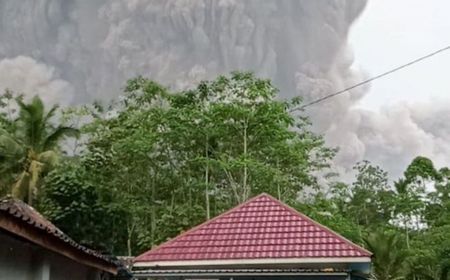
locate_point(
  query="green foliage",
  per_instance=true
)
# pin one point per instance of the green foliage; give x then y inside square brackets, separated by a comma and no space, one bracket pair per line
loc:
[370,196]
[28,144]
[429,256]
[389,254]
[72,201]
[155,163]
[405,224]
[166,161]
[421,168]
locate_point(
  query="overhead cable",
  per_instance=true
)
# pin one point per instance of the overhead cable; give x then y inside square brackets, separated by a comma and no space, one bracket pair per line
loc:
[370,79]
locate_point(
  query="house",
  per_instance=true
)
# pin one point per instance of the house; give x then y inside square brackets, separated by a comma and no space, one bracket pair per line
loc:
[32,248]
[259,239]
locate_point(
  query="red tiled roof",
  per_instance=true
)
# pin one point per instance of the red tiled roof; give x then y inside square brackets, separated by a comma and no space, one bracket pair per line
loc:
[260,228]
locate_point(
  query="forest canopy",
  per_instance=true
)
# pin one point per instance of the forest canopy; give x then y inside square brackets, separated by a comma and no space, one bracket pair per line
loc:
[129,175]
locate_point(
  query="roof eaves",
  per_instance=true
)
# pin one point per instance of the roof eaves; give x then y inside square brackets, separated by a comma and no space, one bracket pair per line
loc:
[28,217]
[252,262]
[239,272]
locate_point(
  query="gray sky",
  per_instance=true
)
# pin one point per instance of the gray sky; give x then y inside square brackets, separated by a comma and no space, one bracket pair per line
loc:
[392,32]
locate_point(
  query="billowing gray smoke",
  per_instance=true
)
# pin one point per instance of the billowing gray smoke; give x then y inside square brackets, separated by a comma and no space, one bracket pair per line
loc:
[77,51]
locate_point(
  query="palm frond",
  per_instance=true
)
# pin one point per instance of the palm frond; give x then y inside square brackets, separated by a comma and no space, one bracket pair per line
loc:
[11,152]
[48,158]
[51,113]
[389,254]
[31,118]
[8,144]
[31,150]
[60,132]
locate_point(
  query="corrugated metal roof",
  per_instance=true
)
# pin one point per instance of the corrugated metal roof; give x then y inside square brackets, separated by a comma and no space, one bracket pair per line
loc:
[261,228]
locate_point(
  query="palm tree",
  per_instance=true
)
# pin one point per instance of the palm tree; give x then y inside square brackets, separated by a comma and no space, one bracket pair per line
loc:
[389,255]
[32,147]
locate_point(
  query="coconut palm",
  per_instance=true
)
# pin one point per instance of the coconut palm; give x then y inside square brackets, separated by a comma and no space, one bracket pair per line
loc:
[389,255]
[32,147]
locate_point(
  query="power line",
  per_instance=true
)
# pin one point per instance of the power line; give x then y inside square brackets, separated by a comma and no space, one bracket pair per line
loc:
[371,79]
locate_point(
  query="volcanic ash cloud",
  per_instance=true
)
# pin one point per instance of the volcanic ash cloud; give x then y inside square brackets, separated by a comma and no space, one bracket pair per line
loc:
[91,47]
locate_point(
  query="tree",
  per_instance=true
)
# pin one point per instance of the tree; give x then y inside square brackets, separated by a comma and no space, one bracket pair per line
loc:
[71,200]
[158,162]
[29,145]
[437,210]
[389,255]
[9,152]
[429,255]
[411,192]
[370,196]
[367,201]
[254,143]
[168,160]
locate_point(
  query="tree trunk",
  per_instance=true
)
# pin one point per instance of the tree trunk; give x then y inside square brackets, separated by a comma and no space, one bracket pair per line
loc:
[246,189]
[207,180]
[130,230]
[153,214]
[129,244]
[278,182]
[407,233]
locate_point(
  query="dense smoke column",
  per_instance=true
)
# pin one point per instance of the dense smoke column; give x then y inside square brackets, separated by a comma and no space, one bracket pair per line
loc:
[96,45]
[77,51]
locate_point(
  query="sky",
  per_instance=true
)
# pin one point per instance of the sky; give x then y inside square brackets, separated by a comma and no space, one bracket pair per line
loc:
[390,33]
